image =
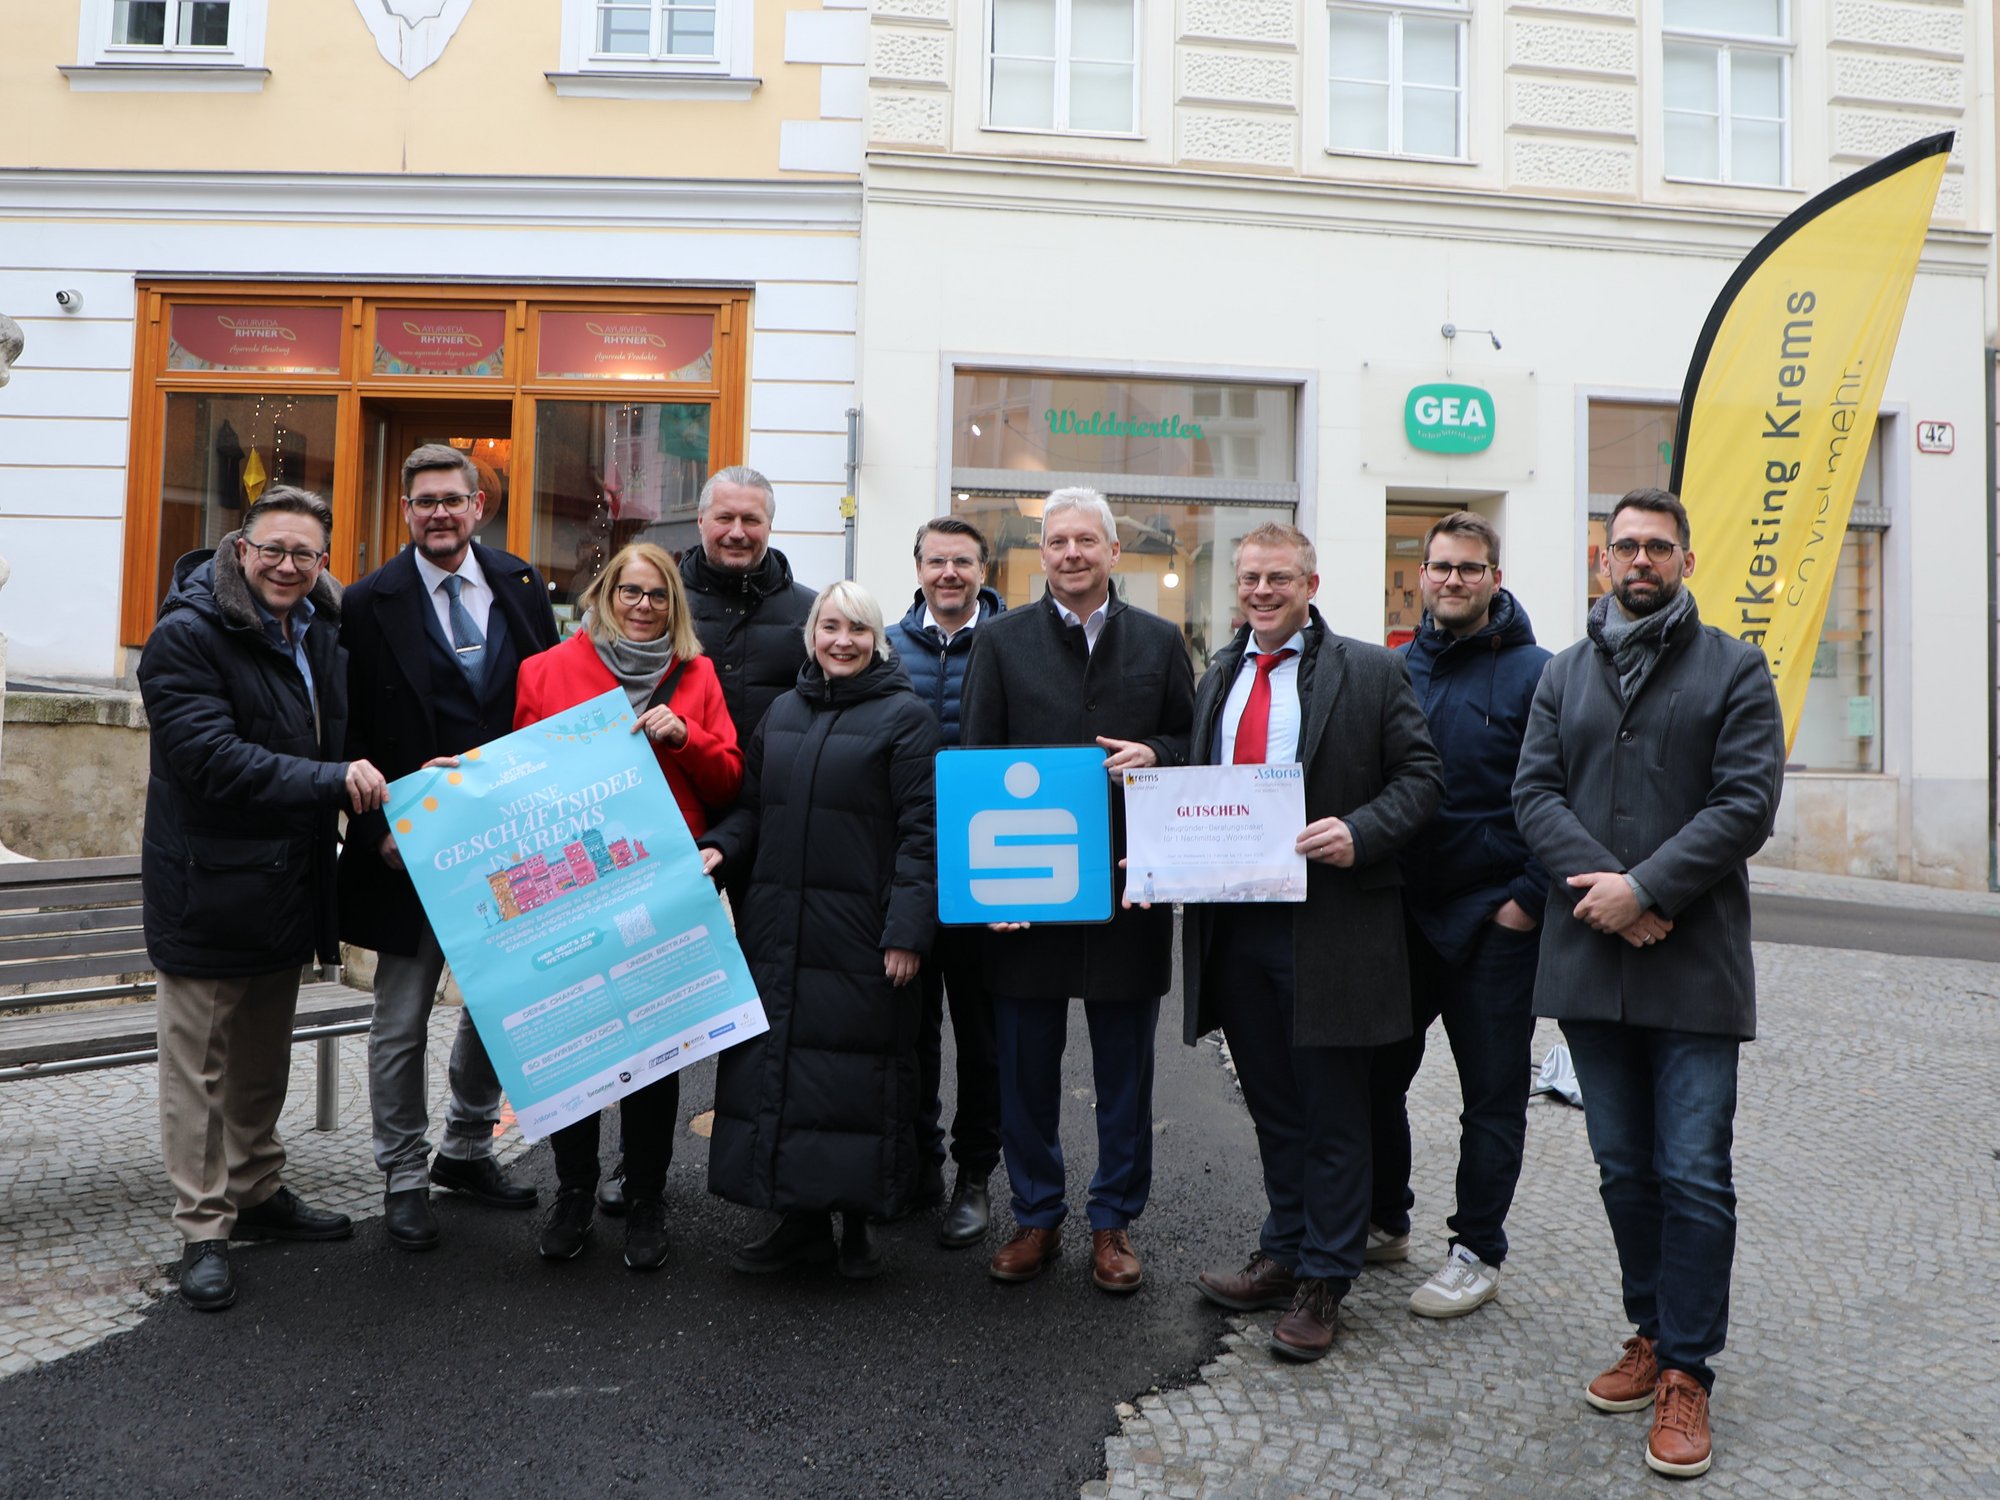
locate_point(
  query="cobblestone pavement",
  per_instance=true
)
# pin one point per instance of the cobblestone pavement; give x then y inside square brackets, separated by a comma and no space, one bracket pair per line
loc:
[1862,1333]
[87,1226]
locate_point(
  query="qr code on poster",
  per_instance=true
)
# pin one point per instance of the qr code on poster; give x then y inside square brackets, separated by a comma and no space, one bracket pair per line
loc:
[634,926]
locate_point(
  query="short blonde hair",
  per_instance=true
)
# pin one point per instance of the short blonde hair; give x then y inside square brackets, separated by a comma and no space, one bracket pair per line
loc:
[1278,534]
[596,599]
[851,602]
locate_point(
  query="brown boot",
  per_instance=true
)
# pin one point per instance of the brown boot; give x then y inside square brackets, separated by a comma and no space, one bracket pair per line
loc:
[1679,1444]
[1261,1283]
[1023,1257]
[1113,1265]
[1627,1385]
[1306,1332]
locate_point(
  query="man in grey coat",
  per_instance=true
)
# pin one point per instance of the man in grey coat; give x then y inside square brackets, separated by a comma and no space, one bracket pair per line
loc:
[1649,776]
[1305,993]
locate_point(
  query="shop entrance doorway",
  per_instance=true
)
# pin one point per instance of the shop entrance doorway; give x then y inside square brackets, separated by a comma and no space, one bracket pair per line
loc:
[482,431]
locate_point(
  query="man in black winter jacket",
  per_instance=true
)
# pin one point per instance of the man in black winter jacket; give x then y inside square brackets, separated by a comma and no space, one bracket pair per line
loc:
[747,610]
[934,642]
[245,687]
[1471,894]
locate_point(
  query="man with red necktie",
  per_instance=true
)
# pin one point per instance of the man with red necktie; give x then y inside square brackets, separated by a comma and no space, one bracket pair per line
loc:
[1304,992]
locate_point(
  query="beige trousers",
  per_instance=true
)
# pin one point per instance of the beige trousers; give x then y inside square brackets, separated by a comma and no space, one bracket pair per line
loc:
[225,1062]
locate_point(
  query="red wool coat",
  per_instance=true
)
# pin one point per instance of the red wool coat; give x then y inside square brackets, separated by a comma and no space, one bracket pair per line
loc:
[703,774]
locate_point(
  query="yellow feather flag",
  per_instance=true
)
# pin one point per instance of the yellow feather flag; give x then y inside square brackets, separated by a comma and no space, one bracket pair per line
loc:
[1780,402]
[254,477]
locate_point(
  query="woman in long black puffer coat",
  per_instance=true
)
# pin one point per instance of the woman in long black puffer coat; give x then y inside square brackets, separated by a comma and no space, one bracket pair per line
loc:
[837,824]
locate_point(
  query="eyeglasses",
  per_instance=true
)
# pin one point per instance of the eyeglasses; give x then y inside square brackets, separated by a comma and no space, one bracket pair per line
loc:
[451,505]
[1658,549]
[1471,572]
[1249,583]
[964,564]
[273,553]
[630,594]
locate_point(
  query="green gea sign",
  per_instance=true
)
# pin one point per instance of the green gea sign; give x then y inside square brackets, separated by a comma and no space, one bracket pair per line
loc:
[1449,418]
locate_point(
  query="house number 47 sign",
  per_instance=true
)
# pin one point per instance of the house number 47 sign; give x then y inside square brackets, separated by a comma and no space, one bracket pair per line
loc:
[1935,437]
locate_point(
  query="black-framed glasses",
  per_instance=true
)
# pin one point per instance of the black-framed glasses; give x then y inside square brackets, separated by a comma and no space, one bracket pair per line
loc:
[630,594]
[1658,549]
[274,553]
[1251,582]
[451,505]
[1471,572]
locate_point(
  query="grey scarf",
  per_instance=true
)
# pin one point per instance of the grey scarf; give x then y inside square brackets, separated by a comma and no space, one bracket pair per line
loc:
[638,665]
[1634,645]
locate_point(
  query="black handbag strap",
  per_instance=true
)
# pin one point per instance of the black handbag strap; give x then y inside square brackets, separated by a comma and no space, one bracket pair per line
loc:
[665,691]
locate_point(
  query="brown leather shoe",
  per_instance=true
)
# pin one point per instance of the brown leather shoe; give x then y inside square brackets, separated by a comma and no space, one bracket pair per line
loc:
[1024,1256]
[1679,1444]
[1113,1266]
[1262,1283]
[1306,1332]
[1627,1385]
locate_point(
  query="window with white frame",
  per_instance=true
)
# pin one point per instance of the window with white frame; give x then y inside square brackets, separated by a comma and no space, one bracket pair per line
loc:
[1063,65]
[1396,77]
[653,30]
[656,48]
[163,34]
[1727,88]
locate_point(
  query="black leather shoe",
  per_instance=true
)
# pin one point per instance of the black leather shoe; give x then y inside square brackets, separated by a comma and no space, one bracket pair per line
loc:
[799,1240]
[611,1192]
[483,1180]
[860,1260]
[645,1234]
[283,1217]
[567,1227]
[207,1282]
[408,1218]
[971,1212]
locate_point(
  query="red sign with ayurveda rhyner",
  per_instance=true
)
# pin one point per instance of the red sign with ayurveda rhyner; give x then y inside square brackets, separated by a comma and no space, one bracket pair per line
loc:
[440,341]
[297,339]
[625,346]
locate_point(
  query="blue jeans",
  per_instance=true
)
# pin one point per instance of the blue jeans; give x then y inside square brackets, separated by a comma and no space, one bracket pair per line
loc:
[1487,1004]
[1660,1109]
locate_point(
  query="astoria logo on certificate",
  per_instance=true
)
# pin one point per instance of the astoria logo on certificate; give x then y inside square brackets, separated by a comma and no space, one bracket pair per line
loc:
[1215,833]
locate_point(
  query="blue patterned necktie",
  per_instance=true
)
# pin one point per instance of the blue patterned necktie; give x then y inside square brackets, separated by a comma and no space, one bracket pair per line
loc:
[466,641]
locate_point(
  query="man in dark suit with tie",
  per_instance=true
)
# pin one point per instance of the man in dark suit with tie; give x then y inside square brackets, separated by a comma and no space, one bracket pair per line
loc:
[434,640]
[1304,992]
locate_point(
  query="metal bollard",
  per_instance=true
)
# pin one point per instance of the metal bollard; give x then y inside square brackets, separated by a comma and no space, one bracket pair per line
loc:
[329,1084]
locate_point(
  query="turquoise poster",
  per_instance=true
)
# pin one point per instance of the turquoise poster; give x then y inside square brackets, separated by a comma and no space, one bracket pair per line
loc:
[559,877]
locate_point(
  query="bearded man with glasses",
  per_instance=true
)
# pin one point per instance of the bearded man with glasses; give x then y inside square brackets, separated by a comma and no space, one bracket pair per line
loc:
[435,638]
[1649,775]
[1472,897]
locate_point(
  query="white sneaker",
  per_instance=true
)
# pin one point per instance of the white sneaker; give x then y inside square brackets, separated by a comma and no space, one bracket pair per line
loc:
[1463,1284]
[1384,1246]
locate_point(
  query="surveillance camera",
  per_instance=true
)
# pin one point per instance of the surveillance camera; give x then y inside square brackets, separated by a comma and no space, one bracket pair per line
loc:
[69,299]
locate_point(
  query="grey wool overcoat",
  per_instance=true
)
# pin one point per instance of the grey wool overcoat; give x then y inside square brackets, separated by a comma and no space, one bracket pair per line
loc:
[1369,761]
[1679,788]
[1031,681]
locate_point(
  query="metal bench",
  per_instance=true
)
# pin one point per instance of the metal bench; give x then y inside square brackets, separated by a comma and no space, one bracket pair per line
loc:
[77,922]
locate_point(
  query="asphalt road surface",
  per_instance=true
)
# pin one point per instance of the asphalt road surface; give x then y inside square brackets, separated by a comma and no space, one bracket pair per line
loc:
[1810,923]
[355,1369]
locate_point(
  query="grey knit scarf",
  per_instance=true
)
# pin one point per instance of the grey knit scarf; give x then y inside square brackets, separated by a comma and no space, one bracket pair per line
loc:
[1634,645]
[638,665]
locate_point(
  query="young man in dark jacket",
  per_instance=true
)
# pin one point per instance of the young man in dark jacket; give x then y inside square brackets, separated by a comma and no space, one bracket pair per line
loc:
[245,688]
[1472,892]
[934,642]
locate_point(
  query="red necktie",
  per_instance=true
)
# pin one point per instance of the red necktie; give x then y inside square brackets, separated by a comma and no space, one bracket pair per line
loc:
[1253,730]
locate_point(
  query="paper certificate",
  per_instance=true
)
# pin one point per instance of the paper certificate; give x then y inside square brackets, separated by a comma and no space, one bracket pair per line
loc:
[559,877]
[1215,833]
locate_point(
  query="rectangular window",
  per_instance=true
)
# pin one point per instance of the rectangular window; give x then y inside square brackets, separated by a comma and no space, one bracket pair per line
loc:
[170,23]
[1396,79]
[1063,65]
[654,30]
[657,49]
[1727,87]
[145,45]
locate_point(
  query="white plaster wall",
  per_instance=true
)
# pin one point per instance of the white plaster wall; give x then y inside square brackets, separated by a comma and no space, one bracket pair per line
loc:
[64,416]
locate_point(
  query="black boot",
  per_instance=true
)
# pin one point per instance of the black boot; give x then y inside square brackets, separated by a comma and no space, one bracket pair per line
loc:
[207,1282]
[799,1240]
[970,1213]
[859,1259]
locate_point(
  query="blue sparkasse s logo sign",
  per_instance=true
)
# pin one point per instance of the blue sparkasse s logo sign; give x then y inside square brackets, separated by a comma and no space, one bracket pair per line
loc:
[1023,836]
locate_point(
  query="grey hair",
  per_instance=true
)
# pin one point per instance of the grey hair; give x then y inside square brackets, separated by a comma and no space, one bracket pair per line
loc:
[850,601]
[741,474]
[1090,502]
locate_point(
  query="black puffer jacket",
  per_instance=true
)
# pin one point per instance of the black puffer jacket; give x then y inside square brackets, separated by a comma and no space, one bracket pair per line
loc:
[752,627]
[243,795]
[837,823]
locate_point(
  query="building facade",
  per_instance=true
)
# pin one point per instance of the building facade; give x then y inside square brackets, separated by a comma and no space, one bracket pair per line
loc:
[1355,263]
[602,246]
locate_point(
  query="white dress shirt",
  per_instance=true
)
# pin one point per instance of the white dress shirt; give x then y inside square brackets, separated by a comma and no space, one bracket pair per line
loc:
[476,595]
[931,623]
[1092,628]
[1281,747]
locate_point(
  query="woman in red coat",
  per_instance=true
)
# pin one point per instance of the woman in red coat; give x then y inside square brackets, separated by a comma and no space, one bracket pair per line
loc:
[637,635]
